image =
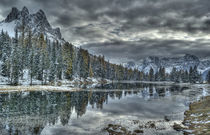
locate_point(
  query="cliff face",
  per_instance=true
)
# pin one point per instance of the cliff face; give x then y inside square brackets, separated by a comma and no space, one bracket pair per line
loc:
[37,22]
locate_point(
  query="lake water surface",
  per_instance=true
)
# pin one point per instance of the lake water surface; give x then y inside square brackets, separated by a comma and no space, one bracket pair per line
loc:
[90,110]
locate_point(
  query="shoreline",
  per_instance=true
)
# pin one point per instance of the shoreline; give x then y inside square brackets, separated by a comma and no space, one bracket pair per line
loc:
[8,88]
[67,86]
[165,124]
[197,118]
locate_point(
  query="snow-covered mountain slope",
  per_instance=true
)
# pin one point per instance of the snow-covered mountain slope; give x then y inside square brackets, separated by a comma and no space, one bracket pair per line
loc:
[184,63]
[37,22]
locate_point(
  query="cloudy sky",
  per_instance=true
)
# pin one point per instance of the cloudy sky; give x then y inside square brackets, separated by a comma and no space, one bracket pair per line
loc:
[128,29]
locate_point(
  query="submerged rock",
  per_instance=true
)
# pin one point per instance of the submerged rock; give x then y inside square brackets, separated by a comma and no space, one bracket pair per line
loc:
[166,118]
[113,129]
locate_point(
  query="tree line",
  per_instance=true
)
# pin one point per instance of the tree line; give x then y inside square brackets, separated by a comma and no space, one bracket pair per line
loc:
[45,60]
[176,75]
[48,61]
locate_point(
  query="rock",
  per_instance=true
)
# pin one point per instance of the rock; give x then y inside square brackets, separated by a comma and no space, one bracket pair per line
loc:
[135,121]
[138,131]
[150,124]
[178,127]
[14,14]
[37,22]
[166,118]
[24,13]
[119,130]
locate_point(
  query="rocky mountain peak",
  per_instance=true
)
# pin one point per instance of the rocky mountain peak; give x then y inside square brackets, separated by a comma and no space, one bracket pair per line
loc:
[37,22]
[41,14]
[41,20]
[24,12]
[180,63]
[191,57]
[58,33]
[151,59]
[14,14]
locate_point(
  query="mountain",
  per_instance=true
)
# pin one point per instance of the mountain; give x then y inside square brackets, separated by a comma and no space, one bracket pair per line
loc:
[36,22]
[28,57]
[29,60]
[183,63]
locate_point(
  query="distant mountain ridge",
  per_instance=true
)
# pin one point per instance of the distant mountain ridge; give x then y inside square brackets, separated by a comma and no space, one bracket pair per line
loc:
[37,22]
[180,63]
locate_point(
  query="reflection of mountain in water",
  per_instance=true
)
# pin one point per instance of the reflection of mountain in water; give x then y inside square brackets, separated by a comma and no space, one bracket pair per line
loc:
[29,112]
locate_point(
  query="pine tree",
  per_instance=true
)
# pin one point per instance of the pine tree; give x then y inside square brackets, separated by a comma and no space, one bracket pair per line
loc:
[1,43]
[23,51]
[68,54]
[200,79]
[151,74]
[42,52]
[31,69]
[6,54]
[90,71]
[60,62]
[208,77]
[193,75]
[53,64]
[178,76]
[141,76]
[15,61]
[173,75]
[162,73]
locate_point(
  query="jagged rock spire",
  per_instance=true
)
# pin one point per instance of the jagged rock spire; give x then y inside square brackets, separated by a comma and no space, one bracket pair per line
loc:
[24,12]
[41,14]
[37,21]
[14,14]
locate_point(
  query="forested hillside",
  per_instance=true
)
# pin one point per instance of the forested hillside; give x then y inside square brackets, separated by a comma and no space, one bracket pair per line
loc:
[48,61]
[32,52]
[38,58]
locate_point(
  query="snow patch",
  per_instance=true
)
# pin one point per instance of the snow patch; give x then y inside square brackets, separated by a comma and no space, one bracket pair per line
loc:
[8,27]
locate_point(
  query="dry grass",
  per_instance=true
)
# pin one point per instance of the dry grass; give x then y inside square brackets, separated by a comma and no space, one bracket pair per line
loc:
[197,118]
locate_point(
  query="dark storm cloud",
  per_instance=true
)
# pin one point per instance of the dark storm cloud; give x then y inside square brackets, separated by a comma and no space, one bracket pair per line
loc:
[7,2]
[154,11]
[126,21]
[139,49]
[5,6]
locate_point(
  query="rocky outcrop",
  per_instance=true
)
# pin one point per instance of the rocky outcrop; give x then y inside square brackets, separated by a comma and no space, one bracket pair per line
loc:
[37,22]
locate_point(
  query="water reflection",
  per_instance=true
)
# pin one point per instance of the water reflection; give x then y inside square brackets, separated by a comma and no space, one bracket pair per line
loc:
[29,112]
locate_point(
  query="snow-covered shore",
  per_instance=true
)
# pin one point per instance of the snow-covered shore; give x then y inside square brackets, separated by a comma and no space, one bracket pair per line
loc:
[80,83]
[59,85]
[6,88]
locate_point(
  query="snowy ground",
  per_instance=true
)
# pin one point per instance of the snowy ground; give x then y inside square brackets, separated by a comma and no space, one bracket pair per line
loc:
[58,85]
[5,88]
[79,83]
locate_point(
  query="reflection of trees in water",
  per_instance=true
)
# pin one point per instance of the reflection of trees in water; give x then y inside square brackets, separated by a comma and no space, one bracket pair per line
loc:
[124,85]
[29,112]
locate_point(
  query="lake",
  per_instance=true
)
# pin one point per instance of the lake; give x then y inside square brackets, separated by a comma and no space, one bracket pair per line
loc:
[90,110]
